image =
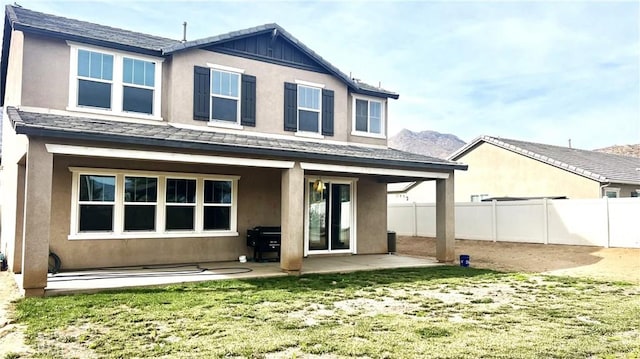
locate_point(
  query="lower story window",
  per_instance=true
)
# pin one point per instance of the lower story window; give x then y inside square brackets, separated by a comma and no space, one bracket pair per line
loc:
[217,204]
[96,203]
[140,203]
[181,204]
[152,204]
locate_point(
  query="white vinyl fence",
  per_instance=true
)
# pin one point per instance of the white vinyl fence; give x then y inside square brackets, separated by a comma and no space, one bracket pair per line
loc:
[600,222]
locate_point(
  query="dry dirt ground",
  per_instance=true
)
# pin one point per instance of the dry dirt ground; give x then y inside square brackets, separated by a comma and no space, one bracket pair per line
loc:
[611,264]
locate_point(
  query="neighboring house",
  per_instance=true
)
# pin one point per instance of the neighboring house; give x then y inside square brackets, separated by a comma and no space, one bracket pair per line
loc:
[509,169]
[122,148]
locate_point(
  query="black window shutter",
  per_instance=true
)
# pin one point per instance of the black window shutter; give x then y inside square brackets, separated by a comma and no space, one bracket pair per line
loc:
[248,105]
[290,107]
[201,93]
[327,112]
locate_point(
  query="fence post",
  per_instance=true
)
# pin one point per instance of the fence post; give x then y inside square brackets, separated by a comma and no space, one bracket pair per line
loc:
[545,208]
[606,201]
[494,220]
[415,219]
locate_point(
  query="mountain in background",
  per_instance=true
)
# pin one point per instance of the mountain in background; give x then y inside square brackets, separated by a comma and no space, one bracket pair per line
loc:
[623,150]
[428,143]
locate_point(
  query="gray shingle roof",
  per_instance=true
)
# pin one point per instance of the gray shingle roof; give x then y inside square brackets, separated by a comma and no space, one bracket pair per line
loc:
[33,21]
[601,167]
[83,31]
[166,135]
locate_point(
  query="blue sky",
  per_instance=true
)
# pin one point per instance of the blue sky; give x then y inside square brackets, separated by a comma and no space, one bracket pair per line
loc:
[536,71]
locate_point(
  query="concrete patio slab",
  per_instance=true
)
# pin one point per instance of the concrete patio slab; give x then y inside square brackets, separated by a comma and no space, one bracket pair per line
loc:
[97,280]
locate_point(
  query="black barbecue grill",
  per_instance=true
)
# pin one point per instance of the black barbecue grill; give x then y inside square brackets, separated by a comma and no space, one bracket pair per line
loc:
[264,240]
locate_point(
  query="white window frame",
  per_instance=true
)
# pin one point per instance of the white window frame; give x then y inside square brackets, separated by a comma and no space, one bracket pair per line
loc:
[160,231]
[126,203]
[220,123]
[615,190]
[180,204]
[353,245]
[316,86]
[117,84]
[102,203]
[224,205]
[383,127]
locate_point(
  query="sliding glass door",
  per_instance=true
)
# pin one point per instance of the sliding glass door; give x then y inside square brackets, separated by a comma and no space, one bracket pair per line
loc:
[329,217]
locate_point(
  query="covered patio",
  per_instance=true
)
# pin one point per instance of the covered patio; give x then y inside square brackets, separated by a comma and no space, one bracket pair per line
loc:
[98,280]
[71,167]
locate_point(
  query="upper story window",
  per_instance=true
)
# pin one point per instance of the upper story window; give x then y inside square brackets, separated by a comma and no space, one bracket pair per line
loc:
[95,79]
[122,84]
[224,96]
[368,118]
[308,109]
[138,78]
[309,116]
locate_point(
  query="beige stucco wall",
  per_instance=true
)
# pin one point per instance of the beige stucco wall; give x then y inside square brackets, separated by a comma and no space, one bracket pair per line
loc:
[13,92]
[14,149]
[499,172]
[258,204]
[371,216]
[45,81]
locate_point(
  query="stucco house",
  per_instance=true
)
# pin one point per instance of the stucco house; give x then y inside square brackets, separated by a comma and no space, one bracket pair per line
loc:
[122,148]
[507,169]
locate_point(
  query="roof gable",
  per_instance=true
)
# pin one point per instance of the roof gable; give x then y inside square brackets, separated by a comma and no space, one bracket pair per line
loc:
[270,47]
[598,166]
[272,43]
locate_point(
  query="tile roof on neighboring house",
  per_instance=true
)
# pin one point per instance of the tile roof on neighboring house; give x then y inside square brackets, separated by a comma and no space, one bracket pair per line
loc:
[170,136]
[82,31]
[601,167]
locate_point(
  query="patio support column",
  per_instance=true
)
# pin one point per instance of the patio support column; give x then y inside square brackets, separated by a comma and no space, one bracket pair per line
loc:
[19,220]
[445,219]
[292,220]
[37,218]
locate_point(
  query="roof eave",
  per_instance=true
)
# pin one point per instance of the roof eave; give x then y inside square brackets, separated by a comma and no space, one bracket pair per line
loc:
[384,94]
[464,149]
[23,129]
[86,40]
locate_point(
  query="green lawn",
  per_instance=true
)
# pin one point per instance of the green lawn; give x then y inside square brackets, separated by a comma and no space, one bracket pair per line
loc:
[440,312]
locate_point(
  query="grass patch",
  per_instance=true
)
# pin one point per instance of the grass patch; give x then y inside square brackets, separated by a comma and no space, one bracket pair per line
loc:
[444,312]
